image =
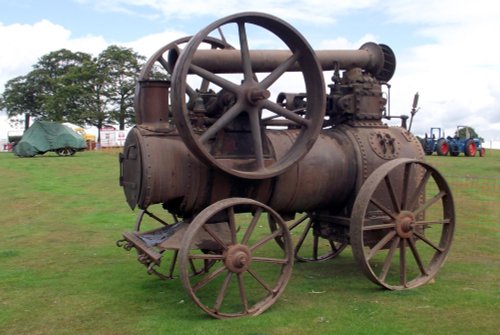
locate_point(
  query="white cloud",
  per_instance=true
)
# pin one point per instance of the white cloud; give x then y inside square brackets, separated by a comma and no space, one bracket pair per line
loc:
[342,43]
[456,72]
[317,11]
[24,44]
[149,44]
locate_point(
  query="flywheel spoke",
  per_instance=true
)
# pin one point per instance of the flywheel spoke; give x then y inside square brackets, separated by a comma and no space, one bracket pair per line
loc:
[223,121]
[279,71]
[287,114]
[245,52]
[257,138]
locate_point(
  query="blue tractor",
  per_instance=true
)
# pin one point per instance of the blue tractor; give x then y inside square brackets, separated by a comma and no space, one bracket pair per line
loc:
[463,142]
[434,142]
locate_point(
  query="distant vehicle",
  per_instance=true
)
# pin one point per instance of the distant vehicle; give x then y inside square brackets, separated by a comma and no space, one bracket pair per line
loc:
[433,143]
[465,144]
[44,136]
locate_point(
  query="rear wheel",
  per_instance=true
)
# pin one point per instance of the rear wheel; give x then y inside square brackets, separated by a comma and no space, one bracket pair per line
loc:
[442,147]
[65,152]
[402,224]
[470,148]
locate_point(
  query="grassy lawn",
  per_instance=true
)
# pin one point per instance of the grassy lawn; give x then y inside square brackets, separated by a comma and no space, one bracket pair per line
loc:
[61,272]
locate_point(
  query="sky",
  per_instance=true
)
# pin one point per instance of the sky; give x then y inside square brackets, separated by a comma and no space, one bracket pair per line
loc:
[447,50]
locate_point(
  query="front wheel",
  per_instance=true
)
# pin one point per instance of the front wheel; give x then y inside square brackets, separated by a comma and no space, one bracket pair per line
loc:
[250,269]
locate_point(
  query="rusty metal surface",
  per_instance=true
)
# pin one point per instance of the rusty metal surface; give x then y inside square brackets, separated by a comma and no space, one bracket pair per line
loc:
[210,152]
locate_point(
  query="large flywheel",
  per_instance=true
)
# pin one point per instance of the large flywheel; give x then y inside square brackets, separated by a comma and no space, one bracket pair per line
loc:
[226,129]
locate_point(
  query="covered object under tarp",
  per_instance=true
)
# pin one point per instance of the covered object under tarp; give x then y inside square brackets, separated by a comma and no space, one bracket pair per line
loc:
[45,136]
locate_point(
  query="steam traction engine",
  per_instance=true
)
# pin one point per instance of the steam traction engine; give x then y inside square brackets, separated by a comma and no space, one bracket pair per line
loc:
[258,167]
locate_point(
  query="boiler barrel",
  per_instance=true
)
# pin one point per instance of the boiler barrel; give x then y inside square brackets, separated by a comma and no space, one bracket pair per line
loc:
[160,169]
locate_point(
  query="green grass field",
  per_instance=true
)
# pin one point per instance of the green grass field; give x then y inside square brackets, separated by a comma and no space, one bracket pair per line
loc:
[61,272]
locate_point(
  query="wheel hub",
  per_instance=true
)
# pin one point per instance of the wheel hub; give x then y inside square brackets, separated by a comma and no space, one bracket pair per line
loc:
[404,224]
[238,258]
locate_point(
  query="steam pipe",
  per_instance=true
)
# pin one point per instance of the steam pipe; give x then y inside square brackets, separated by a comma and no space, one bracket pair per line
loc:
[378,59]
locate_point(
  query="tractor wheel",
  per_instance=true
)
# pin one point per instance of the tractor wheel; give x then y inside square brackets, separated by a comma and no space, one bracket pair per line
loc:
[470,148]
[482,152]
[442,147]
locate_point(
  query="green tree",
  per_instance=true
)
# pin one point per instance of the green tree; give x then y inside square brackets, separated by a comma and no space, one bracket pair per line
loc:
[95,111]
[120,67]
[66,86]
[21,98]
[61,79]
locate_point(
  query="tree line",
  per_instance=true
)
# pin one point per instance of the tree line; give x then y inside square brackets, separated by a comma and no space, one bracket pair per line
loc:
[66,86]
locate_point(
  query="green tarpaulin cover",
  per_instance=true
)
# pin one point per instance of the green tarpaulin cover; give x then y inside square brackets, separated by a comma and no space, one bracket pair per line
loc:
[45,136]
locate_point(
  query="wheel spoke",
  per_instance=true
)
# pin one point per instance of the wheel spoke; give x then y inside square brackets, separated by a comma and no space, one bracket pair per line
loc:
[380,244]
[279,71]
[315,246]
[260,281]
[402,262]
[222,292]
[333,246]
[245,53]
[243,294]
[208,278]
[429,203]
[419,190]
[215,237]
[383,208]
[430,243]
[392,193]
[274,107]
[251,226]
[172,264]
[303,236]
[270,260]
[232,224]
[227,117]
[215,257]
[299,221]
[266,239]
[432,222]
[151,215]
[257,138]
[388,259]
[406,183]
[380,226]
[416,255]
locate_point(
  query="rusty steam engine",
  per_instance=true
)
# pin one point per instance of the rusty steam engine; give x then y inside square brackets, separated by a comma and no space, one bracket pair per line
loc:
[255,176]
